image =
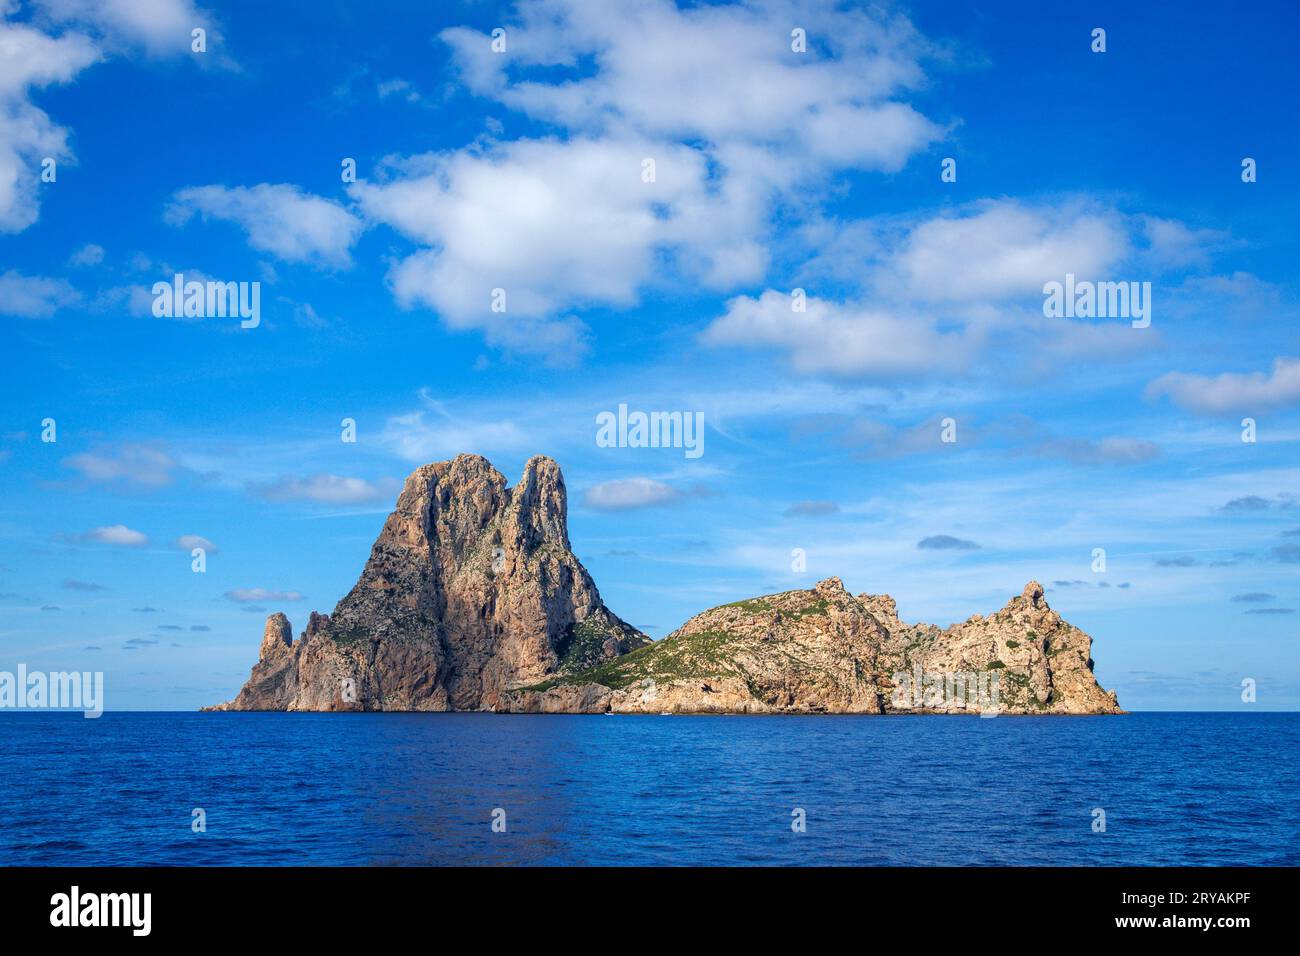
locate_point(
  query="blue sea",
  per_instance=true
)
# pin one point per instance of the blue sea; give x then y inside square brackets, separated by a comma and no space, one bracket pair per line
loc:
[351,789]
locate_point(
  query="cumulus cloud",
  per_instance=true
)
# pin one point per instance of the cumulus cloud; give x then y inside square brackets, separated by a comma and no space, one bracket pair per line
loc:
[330,489]
[736,124]
[281,220]
[937,293]
[558,225]
[724,74]
[999,248]
[946,542]
[1232,392]
[626,493]
[841,339]
[32,297]
[248,595]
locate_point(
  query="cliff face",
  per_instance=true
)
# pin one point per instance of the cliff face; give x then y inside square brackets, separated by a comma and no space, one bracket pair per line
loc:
[825,651]
[471,589]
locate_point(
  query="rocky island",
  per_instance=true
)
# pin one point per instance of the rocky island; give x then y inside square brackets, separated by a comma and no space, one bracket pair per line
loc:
[472,599]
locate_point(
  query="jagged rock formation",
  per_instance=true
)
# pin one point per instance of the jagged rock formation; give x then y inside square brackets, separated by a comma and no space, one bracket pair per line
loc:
[275,673]
[473,600]
[825,651]
[471,589]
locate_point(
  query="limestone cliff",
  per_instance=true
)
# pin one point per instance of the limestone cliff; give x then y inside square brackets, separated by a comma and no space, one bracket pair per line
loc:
[471,589]
[825,651]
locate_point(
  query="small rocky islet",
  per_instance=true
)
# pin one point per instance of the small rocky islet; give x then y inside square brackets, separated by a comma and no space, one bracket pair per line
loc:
[472,600]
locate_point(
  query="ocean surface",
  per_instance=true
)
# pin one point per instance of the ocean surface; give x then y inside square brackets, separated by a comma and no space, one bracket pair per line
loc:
[349,789]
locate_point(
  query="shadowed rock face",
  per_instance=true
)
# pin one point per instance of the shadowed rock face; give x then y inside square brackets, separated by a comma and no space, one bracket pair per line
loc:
[825,651]
[470,589]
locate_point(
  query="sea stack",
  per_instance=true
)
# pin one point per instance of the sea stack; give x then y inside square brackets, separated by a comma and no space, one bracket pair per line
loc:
[471,589]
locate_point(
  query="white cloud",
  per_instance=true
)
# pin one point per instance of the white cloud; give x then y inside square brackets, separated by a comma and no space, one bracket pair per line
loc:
[936,294]
[725,74]
[279,219]
[1173,244]
[117,534]
[400,88]
[88,255]
[32,59]
[434,433]
[1232,392]
[624,493]
[188,542]
[131,464]
[34,297]
[1001,248]
[246,595]
[331,489]
[559,225]
[162,27]
[737,124]
[840,339]
[29,59]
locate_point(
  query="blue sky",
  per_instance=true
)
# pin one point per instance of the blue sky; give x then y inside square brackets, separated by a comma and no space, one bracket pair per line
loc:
[775,170]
